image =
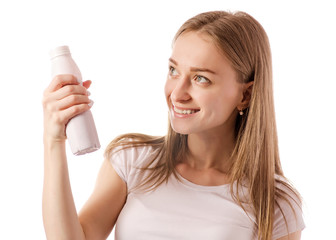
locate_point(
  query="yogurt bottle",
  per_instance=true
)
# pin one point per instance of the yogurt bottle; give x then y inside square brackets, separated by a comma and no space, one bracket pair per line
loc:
[81,130]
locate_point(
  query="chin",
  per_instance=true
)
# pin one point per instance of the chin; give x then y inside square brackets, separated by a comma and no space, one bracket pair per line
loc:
[184,130]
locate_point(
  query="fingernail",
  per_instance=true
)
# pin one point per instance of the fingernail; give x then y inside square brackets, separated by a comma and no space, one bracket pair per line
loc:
[91,103]
[88,93]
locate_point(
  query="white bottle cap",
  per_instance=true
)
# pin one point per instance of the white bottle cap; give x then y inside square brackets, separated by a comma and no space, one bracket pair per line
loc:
[62,50]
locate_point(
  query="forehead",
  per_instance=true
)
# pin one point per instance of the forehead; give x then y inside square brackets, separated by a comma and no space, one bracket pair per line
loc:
[197,49]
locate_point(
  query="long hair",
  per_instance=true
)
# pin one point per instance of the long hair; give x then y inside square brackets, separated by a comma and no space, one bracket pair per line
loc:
[256,156]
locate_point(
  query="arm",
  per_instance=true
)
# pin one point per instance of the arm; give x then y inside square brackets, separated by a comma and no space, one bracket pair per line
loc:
[292,236]
[98,215]
[59,212]
[63,99]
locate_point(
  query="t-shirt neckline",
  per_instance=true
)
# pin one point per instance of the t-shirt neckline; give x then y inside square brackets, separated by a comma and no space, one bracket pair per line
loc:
[200,187]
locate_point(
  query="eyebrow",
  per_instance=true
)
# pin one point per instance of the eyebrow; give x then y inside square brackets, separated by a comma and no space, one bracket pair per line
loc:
[194,69]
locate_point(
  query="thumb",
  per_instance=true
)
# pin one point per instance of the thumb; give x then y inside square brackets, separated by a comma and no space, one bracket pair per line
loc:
[87,84]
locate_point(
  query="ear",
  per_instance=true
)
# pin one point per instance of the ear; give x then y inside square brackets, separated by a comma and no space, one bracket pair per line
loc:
[246,95]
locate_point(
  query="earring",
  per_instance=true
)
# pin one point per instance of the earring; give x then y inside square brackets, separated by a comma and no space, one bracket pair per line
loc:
[241,113]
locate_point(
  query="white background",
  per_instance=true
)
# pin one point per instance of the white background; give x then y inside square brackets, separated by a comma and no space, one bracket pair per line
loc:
[123,48]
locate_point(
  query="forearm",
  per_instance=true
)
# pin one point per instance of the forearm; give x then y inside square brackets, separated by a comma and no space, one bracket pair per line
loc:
[59,212]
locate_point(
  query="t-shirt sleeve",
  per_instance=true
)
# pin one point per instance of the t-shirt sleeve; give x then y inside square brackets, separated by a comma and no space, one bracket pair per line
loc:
[293,216]
[127,162]
[119,162]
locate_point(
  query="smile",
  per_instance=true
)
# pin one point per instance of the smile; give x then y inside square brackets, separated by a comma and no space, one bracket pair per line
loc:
[185,111]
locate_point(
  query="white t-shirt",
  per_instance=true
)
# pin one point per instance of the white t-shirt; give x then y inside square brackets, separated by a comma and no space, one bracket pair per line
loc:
[183,210]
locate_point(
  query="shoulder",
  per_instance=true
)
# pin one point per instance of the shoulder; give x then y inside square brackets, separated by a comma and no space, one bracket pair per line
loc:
[128,159]
[288,216]
[132,143]
[132,155]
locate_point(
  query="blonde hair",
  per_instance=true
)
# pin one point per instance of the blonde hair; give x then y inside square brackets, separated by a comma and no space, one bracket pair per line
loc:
[256,156]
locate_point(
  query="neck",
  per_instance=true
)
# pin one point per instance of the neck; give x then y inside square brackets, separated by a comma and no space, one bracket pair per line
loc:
[211,150]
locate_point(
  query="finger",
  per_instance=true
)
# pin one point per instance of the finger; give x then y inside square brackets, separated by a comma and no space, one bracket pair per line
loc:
[62,98]
[70,101]
[63,117]
[75,110]
[69,90]
[61,80]
[87,84]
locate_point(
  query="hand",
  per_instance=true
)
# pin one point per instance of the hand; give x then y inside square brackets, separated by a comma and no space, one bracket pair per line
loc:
[63,99]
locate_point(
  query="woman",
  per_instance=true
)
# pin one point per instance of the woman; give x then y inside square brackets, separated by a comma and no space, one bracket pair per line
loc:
[215,175]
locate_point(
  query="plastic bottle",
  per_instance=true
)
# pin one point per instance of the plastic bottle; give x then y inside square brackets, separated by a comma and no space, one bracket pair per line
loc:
[81,130]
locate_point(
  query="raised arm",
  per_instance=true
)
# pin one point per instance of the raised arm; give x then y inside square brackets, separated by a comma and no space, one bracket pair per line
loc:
[63,99]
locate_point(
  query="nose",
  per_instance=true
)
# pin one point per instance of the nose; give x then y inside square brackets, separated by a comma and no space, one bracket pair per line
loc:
[180,91]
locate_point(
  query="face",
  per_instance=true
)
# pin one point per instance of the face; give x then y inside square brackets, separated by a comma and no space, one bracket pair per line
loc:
[202,90]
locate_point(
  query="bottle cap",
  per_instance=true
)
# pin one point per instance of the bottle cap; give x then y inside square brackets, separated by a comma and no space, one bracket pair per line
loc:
[62,50]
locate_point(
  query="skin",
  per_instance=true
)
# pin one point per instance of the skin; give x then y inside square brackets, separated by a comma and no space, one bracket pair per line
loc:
[216,103]
[63,99]
[201,78]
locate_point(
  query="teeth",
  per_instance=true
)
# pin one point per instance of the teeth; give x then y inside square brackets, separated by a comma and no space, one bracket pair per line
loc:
[184,111]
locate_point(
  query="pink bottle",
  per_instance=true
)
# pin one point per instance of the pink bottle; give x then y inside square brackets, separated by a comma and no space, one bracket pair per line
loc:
[81,130]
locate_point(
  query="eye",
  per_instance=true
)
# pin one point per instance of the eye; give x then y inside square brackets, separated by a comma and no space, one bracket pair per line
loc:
[201,79]
[172,71]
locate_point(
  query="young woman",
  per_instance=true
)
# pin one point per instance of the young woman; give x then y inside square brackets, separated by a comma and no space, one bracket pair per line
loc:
[215,175]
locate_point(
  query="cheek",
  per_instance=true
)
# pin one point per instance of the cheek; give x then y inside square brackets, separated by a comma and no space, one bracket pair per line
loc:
[223,102]
[231,94]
